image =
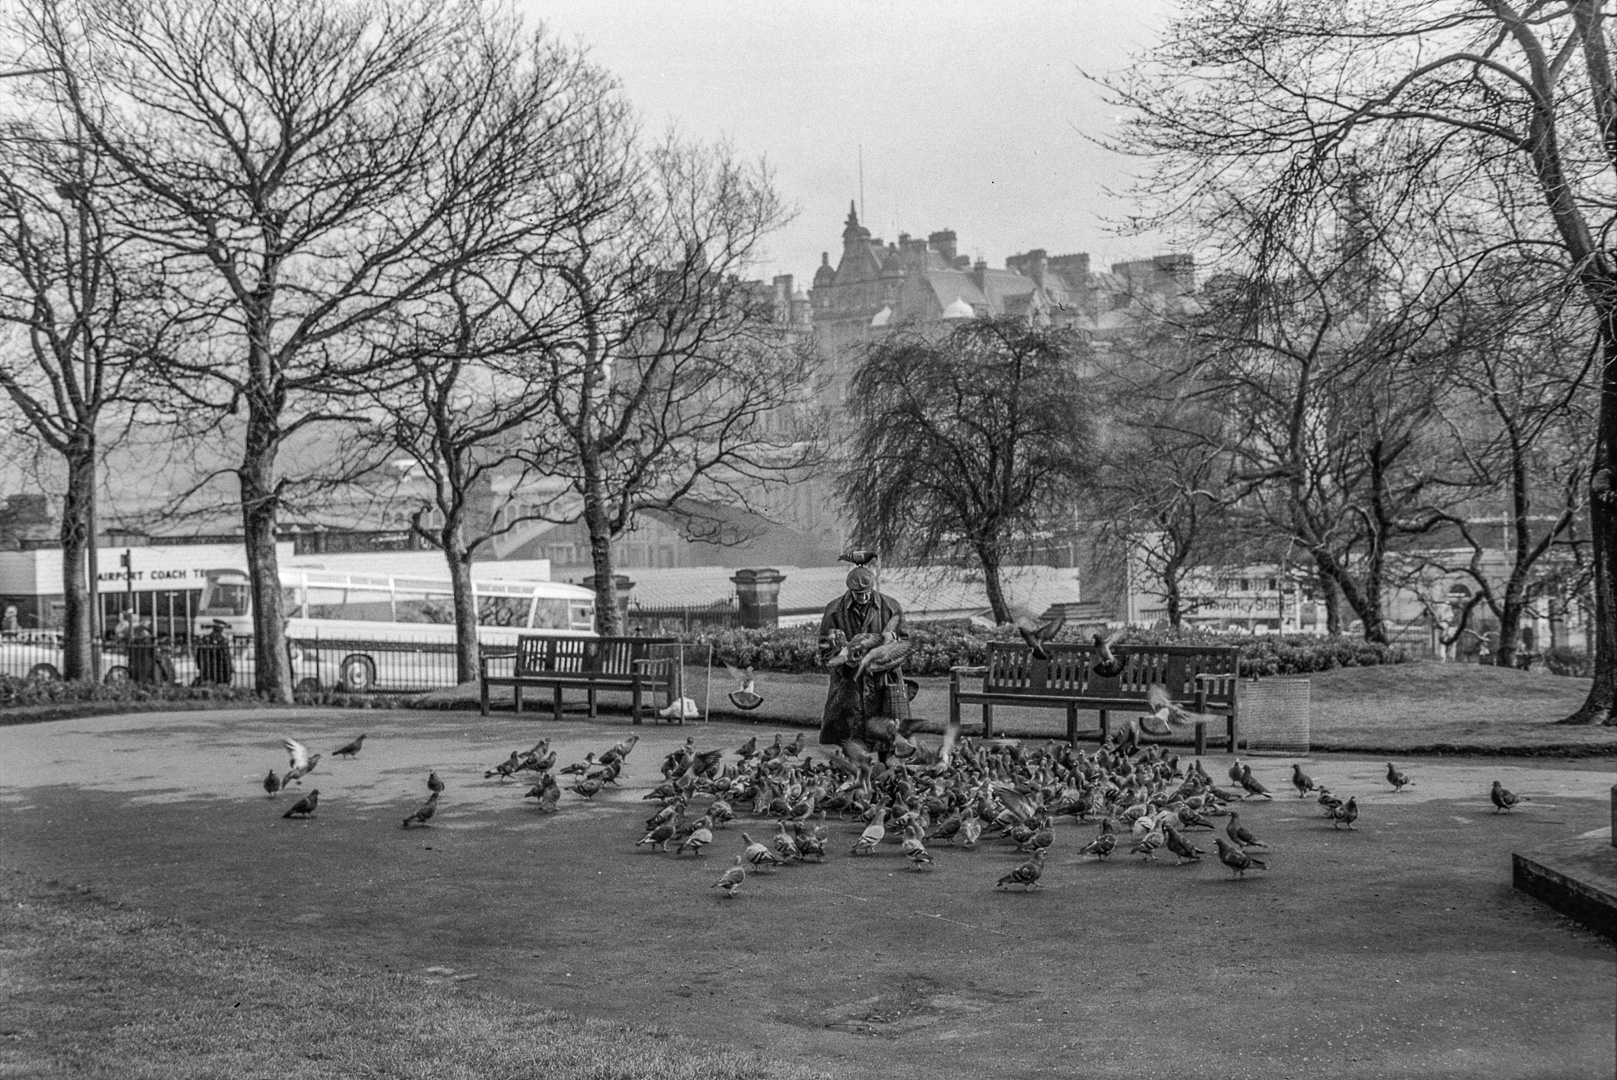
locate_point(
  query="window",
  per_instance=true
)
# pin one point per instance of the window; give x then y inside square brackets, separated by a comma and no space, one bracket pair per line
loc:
[502,610]
[227,594]
[424,607]
[335,602]
[550,615]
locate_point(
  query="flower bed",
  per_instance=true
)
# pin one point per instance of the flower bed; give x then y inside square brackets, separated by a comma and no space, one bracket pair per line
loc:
[940,646]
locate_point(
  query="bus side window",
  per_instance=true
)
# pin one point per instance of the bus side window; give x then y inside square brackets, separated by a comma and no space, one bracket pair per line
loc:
[501,610]
[292,602]
[325,603]
[421,607]
[549,614]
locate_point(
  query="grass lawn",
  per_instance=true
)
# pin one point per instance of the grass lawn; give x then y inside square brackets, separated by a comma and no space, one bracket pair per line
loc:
[93,989]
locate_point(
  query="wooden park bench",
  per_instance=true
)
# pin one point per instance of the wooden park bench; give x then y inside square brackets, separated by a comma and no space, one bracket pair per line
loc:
[1202,679]
[591,664]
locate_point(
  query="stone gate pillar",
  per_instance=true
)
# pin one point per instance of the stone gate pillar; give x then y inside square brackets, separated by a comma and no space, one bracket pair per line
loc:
[759,594]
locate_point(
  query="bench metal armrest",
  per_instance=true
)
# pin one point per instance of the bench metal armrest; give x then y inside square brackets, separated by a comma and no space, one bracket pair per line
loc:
[972,670]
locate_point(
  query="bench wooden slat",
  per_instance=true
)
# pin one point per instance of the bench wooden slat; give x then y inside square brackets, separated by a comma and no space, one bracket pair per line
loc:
[1203,678]
[558,662]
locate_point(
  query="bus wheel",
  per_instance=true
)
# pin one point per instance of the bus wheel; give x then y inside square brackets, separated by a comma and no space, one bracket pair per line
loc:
[47,672]
[357,674]
[116,675]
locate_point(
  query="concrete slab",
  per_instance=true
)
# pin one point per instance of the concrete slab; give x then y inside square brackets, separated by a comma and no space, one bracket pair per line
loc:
[1576,876]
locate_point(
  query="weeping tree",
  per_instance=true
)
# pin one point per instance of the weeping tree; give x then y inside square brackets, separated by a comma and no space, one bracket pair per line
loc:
[297,165]
[969,445]
[1483,104]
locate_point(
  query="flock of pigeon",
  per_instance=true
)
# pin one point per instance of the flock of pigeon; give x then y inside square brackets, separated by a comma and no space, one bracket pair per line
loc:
[963,793]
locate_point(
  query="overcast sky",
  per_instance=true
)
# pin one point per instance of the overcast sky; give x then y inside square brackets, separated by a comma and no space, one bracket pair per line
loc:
[972,115]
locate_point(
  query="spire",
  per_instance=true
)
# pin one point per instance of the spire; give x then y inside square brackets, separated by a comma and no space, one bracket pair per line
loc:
[853,232]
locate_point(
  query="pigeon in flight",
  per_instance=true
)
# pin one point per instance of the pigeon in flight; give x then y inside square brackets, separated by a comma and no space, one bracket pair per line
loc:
[304,807]
[300,760]
[1166,714]
[1037,635]
[1108,665]
[745,696]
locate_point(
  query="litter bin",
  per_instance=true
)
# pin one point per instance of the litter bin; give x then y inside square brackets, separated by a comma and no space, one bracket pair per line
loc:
[1274,715]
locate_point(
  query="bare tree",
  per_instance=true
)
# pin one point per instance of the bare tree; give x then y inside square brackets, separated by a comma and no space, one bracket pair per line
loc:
[968,446]
[674,382]
[297,165]
[1486,103]
[82,301]
[1162,490]
[1520,434]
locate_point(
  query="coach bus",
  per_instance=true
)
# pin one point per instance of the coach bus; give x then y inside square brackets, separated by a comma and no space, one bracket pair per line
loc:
[377,631]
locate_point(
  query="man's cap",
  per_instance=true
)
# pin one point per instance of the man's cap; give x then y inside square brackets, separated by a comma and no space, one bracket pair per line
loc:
[861,578]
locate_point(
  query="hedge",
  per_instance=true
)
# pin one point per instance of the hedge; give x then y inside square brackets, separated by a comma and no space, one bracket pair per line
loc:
[942,645]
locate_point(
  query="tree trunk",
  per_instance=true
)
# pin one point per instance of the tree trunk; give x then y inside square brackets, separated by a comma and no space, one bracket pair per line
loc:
[1175,600]
[272,673]
[1510,631]
[607,622]
[991,562]
[467,650]
[1333,603]
[1597,708]
[78,631]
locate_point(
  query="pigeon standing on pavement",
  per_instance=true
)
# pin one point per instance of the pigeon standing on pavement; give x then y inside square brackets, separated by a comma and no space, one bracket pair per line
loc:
[1301,781]
[424,812]
[1026,875]
[304,807]
[1503,798]
[731,879]
[434,785]
[1398,780]
[350,749]
[272,784]
[1237,858]
[1251,785]
[1345,815]
[1239,834]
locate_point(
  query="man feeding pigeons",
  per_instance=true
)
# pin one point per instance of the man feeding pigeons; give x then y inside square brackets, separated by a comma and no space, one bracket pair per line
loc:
[863,641]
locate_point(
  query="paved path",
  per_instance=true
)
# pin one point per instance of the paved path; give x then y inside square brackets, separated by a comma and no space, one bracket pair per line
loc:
[1398,950]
